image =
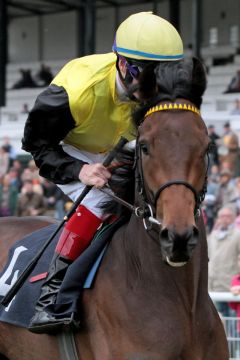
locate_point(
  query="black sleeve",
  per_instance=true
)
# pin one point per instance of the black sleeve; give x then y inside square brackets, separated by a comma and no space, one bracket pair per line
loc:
[47,125]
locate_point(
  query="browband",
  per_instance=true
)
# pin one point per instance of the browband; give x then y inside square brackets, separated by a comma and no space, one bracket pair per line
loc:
[173,106]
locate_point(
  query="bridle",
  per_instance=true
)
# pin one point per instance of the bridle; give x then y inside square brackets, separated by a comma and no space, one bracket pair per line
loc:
[148,198]
[199,196]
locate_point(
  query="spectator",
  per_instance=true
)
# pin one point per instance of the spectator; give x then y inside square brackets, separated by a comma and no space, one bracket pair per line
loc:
[25,109]
[28,175]
[8,197]
[31,172]
[209,208]
[4,161]
[234,85]
[224,249]
[227,190]
[34,171]
[235,290]
[236,110]
[210,201]
[225,165]
[214,137]
[55,199]
[30,203]
[231,142]
[237,222]
[49,193]
[14,178]
[9,149]
[236,200]
[26,80]
[44,76]
[18,167]
[230,138]
[215,170]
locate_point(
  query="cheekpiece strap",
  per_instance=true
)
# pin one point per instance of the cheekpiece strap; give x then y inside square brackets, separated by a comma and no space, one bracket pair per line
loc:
[173,106]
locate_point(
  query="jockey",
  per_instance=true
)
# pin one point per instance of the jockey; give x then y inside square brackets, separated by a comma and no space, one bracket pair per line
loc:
[77,120]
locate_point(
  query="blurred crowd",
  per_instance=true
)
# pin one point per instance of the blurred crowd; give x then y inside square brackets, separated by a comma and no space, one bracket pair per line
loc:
[221,210]
[43,77]
[223,175]
[234,85]
[23,192]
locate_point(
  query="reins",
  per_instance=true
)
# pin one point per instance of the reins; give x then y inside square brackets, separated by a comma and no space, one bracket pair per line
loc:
[136,210]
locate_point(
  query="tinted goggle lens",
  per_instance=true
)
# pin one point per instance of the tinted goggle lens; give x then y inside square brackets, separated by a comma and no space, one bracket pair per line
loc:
[134,70]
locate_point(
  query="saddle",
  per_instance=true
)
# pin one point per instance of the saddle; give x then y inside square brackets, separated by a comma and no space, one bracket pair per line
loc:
[21,309]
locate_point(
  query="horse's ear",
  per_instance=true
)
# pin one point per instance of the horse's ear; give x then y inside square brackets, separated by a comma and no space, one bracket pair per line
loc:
[147,82]
[199,80]
[199,77]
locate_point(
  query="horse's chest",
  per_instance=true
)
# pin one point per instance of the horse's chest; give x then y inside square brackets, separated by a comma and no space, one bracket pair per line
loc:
[154,338]
[131,342]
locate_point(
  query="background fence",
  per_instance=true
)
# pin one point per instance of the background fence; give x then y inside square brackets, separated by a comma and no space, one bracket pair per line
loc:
[231,324]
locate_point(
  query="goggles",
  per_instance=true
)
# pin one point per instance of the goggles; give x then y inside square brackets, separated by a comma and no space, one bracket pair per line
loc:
[133,69]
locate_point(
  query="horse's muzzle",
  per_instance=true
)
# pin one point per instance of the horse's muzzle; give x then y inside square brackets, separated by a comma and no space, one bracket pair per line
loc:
[177,247]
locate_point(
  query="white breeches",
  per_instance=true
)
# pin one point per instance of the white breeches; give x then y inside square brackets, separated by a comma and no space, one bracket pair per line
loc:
[95,197]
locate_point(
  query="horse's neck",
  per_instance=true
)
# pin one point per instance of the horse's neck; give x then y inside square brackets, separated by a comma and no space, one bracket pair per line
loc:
[142,266]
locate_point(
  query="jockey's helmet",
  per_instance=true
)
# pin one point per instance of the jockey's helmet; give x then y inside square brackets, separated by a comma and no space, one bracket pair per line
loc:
[145,36]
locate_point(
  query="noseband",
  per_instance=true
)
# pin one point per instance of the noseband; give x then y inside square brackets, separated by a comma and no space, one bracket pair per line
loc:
[198,196]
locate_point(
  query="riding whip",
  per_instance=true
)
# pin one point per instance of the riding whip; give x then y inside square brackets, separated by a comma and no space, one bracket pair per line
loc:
[27,271]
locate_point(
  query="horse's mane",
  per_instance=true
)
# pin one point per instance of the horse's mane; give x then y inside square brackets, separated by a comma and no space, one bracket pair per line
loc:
[169,81]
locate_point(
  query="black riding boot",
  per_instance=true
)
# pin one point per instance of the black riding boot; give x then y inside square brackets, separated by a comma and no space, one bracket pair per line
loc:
[42,321]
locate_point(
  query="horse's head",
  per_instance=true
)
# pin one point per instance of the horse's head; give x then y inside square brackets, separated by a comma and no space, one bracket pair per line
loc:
[172,148]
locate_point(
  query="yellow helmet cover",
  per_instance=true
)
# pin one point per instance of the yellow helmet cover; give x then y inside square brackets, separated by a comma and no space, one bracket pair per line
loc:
[146,36]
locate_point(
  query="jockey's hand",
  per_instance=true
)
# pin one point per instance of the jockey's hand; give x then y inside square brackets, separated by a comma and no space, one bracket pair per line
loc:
[94,174]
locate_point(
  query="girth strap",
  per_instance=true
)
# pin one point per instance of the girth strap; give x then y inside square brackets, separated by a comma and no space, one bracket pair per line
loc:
[67,346]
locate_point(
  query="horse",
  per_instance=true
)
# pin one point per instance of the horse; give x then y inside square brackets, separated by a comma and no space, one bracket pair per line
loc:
[150,299]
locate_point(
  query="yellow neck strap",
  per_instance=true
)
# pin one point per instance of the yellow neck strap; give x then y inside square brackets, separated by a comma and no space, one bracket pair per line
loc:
[173,106]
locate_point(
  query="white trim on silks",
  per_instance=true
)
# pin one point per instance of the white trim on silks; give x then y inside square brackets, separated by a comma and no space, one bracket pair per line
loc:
[94,198]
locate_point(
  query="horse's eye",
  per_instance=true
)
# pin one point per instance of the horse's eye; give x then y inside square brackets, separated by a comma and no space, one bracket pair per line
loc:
[144,148]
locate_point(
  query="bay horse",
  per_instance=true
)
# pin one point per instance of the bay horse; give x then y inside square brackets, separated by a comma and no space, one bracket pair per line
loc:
[150,300]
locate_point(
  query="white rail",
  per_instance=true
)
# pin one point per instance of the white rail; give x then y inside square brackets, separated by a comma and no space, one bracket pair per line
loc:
[224,296]
[231,324]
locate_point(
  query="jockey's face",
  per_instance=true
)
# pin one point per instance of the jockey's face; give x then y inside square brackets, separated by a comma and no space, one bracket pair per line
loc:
[130,71]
